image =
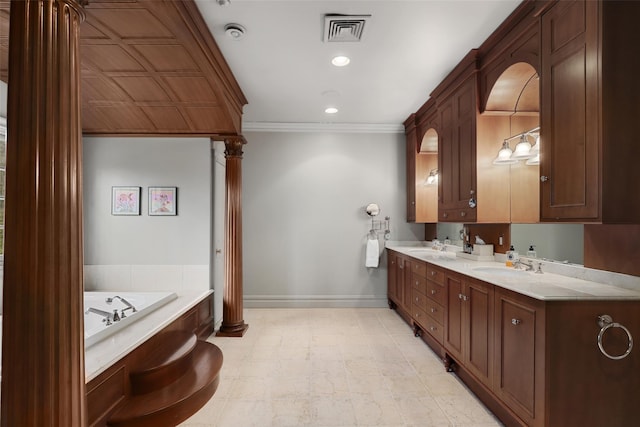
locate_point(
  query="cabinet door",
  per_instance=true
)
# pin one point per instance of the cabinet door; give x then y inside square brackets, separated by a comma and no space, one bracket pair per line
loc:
[407,295]
[479,336]
[517,324]
[457,154]
[569,112]
[411,148]
[453,327]
[402,272]
[392,273]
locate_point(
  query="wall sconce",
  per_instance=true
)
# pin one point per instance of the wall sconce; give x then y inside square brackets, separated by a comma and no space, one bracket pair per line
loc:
[523,150]
[432,179]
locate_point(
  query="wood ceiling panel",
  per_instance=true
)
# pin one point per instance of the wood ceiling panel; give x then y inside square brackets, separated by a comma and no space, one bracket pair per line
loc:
[149,67]
[168,58]
[100,89]
[130,22]
[142,88]
[109,58]
[191,89]
[167,118]
[206,118]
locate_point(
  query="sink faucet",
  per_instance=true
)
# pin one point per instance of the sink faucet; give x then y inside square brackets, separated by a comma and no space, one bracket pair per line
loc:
[124,301]
[526,266]
[108,317]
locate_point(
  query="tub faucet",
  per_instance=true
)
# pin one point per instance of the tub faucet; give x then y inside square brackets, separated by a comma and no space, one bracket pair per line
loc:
[108,317]
[124,301]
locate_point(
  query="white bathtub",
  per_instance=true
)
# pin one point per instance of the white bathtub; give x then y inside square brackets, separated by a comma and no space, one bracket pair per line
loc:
[96,330]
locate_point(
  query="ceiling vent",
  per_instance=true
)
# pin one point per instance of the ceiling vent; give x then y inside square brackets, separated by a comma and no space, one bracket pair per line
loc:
[344,28]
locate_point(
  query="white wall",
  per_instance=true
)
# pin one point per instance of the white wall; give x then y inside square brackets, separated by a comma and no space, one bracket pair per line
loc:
[147,252]
[305,225]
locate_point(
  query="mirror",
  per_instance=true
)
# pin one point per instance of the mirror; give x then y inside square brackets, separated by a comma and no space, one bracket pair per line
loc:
[372,209]
[427,178]
[512,109]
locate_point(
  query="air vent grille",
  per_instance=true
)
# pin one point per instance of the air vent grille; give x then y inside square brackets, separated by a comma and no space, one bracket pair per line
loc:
[344,28]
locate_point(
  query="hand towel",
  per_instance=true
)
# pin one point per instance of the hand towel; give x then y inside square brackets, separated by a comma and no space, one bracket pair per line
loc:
[372,253]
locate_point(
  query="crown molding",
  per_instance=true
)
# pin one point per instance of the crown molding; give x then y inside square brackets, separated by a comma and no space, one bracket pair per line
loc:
[322,127]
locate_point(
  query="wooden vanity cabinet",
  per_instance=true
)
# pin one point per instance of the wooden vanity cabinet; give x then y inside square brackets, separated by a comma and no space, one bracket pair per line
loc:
[519,355]
[589,111]
[469,325]
[399,282]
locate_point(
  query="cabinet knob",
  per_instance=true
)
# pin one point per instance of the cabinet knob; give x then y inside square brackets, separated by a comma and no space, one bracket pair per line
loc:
[417,282]
[417,315]
[433,328]
[433,273]
[460,296]
[516,321]
[433,292]
[463,213]
[417,299]
[433,310]
[445,214]
[544,178]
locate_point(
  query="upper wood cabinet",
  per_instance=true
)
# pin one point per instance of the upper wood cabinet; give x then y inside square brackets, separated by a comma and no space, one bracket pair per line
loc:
[411,148]
[590,91]
[456,99]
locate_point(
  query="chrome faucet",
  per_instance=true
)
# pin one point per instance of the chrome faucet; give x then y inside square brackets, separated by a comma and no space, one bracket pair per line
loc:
[125,302]
[520,263]
[108,317]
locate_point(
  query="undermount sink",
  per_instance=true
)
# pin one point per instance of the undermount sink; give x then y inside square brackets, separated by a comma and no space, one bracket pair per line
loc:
[420,250]
[497,271]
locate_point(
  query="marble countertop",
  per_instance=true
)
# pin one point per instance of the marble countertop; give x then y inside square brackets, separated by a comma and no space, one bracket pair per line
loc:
[546,286]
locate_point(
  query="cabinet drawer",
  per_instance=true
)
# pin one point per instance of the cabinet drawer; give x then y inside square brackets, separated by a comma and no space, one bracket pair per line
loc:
[435,311]
[420,284]
[420,300]
[435,274]
[419,268]
[429,325]
[436,292]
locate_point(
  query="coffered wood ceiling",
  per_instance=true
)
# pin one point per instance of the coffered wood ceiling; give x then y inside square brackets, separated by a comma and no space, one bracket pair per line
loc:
[149,67]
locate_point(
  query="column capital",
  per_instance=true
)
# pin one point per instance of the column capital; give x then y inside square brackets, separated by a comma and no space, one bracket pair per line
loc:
[233,145]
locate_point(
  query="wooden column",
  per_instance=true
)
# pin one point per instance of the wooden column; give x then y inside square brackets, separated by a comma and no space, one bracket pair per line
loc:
[232,317]
[43,381]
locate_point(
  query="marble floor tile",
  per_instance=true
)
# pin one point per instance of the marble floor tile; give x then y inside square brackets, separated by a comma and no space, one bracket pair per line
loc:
[305,368]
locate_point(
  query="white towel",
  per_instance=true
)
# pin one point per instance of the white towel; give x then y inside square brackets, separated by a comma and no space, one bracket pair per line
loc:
[372,253]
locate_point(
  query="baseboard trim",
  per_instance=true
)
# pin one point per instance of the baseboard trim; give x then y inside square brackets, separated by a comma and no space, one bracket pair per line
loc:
[315,301]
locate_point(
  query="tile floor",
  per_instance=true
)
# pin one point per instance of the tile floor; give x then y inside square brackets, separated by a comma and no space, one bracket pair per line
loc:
[334,367]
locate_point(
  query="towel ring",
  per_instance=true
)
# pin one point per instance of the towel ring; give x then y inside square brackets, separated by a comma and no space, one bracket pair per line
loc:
[606,322]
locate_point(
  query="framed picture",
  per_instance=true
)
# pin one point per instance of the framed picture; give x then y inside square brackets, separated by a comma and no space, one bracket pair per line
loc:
[163,200]
[125,200]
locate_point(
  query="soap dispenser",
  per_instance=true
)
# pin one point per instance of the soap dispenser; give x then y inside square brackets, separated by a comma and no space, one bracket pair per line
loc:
[531,253]
[512,256]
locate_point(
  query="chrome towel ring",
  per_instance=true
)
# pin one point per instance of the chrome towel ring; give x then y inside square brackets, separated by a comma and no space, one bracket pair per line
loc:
[606,322]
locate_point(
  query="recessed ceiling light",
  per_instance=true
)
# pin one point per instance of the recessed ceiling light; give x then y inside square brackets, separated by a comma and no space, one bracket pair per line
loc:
[340,61]
[331,110]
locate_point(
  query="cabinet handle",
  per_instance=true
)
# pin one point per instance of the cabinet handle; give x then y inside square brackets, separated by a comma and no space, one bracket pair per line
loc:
[433,292]
[460,296]
[463,297]
[445,214]
[433,273]
[516,321]
[433,328]
[463,213]
[433,310]
[417,315]
[544,178]
[417,299]
[417,282]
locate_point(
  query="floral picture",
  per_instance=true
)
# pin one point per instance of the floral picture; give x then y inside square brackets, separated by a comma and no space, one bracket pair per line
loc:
[125,201]
[163,200]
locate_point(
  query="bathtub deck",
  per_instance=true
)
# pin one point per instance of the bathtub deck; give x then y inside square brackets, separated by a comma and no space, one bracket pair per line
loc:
[105,353]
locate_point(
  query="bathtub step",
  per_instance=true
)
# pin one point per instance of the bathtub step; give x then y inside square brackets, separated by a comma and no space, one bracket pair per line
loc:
[168,363]
[176,402]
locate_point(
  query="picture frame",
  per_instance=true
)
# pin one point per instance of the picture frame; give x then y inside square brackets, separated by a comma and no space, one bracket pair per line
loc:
[163,201]
[125,200]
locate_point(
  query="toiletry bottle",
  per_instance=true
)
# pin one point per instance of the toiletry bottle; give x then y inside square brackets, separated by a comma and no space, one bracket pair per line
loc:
[531,253]
[510,256]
